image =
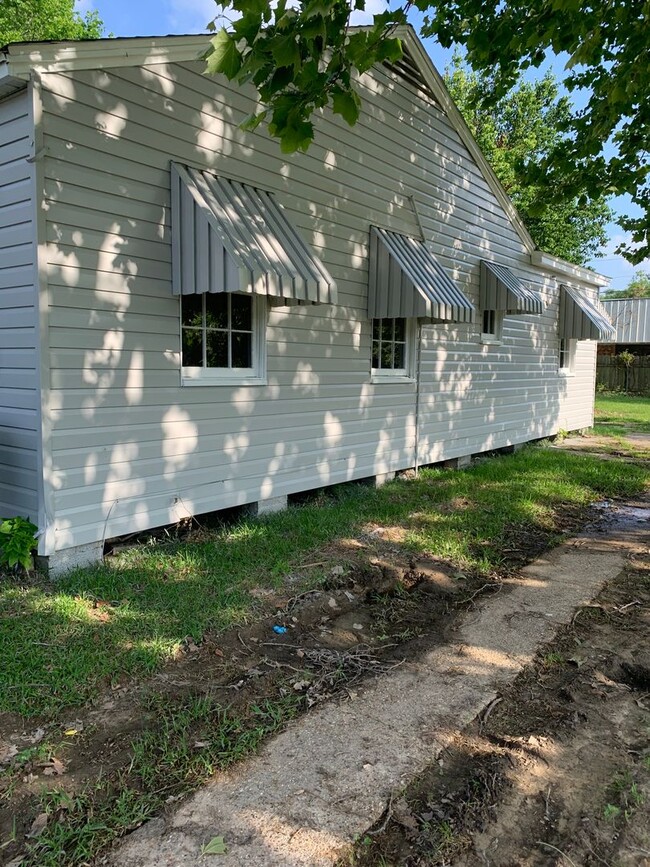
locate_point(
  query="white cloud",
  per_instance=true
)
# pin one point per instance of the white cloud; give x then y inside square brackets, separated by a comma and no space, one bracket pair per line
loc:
[615,266]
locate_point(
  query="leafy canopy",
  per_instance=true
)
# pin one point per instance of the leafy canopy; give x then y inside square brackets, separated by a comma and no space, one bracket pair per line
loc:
[638,287]
[34,20]
[303,58]
[518,130]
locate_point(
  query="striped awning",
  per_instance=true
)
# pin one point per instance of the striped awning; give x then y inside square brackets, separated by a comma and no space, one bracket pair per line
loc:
[501,290]
[405,280]
[583,319]
[231,237]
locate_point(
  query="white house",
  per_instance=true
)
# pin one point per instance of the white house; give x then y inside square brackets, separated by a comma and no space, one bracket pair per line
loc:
[192,321]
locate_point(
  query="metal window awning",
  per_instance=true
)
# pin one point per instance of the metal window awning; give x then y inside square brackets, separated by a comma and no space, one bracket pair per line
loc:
[405,280]
[582,319]
[231,237]
[501,290]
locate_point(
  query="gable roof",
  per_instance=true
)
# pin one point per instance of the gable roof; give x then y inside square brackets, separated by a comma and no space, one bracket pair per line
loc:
[21,58]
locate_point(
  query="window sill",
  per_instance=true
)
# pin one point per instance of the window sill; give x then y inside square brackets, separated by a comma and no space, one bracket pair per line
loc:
[211,381]
[382,378]
[566,374]
[490,340]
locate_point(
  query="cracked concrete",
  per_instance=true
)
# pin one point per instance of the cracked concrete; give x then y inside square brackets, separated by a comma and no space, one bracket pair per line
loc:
[312,789]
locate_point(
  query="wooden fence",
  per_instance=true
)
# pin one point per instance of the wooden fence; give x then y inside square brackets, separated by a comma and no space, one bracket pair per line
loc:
[612,374]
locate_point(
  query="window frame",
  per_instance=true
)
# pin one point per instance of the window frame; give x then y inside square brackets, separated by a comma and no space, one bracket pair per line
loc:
[495,337]
[399,374]
[254,375]
[569,352]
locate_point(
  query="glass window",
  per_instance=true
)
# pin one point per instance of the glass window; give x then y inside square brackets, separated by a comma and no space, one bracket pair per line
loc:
[218,332]
[492,325]
[389,346]
[566,354]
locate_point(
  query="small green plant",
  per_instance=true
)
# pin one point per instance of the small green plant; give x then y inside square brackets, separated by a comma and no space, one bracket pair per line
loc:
[611,812]
[17,541]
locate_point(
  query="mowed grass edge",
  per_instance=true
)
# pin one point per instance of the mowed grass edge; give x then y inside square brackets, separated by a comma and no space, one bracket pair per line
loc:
[65,641]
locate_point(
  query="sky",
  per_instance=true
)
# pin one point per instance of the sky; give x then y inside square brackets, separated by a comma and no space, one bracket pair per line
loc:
[161,17]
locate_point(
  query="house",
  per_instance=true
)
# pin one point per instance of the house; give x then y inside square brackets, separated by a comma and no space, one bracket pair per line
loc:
[631,319]
[193,321]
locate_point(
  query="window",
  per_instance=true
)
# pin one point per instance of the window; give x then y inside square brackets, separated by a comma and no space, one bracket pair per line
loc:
[221,338]
[391,347]
[492,326]
[566,355]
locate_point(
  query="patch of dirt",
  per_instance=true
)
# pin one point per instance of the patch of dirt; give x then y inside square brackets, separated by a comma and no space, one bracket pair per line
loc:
[556,771]
[375,610]
[366,619]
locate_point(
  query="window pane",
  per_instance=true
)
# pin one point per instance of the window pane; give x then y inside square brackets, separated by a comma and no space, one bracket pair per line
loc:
[216,310]
[400,329]
[217,348]
[376,325]
[192,310]
[242,312]
[387,329]
[192,348]
[242,350]
[375,354]
[488,322]
[400,355]
[387,356]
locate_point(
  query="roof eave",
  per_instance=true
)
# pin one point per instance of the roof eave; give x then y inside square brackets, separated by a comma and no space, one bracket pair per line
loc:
[568,269]
[10,83]
[22,57]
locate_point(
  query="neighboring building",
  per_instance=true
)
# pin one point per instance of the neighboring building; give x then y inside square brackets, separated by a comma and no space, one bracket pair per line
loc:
[193,321]
[631,319]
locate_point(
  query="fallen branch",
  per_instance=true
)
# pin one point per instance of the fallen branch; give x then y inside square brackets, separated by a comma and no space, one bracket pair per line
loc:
[555,849]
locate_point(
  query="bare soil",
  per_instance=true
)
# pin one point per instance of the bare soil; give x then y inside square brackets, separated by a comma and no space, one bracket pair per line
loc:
[532,780]
[557,770]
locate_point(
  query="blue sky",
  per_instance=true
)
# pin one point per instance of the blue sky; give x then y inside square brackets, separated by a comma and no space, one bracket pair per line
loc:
[149,18]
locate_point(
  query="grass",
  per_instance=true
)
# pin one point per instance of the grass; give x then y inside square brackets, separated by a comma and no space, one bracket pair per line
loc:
[66,641]
[188,746]
[621,414]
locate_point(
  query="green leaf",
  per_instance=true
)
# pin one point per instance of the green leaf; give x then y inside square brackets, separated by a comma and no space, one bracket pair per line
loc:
[251,122]
[285,51]
[216,846]
[347,104]
[297,135]
[224,57]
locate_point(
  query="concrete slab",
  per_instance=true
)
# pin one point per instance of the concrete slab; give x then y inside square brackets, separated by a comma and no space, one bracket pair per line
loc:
[315,787]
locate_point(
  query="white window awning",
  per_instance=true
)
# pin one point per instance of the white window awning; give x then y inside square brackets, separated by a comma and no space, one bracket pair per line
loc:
[582,319]
[231,237]
[405,280]
[501,290]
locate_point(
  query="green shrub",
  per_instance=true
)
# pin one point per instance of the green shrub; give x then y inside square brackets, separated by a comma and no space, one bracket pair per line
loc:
[17,541]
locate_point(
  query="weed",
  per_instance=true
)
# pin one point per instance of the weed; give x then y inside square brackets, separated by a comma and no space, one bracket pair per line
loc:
[551,659]
[190,743]
[611,812]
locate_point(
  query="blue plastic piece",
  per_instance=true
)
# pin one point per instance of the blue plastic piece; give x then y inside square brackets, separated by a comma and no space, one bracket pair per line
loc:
[280,630]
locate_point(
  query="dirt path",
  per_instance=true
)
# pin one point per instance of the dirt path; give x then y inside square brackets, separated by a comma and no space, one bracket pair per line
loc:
[316,787]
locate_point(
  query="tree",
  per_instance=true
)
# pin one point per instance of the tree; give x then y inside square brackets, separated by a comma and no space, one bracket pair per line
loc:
[34,20]
[303,58]
[516,130]
[638,287]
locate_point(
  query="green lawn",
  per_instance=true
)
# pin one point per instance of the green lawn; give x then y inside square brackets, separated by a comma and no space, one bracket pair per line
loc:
[63,642]
[620,414]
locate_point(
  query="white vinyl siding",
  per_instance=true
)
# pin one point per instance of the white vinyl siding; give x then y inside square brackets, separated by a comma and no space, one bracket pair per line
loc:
[130,447]
[19,391]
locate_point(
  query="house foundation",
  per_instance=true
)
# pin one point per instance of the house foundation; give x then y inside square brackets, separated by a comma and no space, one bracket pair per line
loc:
[268,507]
[62,562]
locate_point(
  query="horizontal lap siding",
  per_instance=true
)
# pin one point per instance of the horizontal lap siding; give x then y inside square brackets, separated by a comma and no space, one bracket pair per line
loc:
[130,447]
[19,394]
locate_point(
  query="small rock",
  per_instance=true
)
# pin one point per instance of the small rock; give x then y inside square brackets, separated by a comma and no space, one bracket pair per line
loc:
[337,570]
[333,603]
